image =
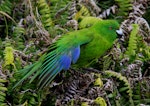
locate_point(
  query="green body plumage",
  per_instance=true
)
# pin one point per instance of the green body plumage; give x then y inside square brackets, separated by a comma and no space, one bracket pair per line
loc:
[102,37]
[80,47]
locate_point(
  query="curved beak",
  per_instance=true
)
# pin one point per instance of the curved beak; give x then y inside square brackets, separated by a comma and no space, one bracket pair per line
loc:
[119,33]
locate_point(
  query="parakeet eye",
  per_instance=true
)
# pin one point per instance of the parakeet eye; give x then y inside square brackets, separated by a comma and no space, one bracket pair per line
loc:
[110,28]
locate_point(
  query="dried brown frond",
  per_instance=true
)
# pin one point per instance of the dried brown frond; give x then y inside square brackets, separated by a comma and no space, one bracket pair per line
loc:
[108,11]
[72,24]
[139,8]
[94,9]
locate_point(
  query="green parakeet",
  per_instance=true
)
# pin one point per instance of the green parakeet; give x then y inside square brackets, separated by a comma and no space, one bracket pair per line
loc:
[80,47]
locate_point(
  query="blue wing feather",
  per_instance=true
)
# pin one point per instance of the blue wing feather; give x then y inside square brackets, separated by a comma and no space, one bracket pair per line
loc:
[53,67]
[65,61]
[48,68]
[75,53]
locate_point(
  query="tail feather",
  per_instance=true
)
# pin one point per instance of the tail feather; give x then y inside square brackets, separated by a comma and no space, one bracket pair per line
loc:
[48,74]
[48,67]
[25,72]
[48,59]
[48,70]
[47,78]
[65,62]
[28,71]
[51,64]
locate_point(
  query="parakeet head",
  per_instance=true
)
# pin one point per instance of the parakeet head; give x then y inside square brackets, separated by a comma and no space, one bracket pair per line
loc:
[109,28]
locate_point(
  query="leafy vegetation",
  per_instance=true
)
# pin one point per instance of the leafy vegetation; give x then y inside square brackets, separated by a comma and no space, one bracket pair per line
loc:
[119,78]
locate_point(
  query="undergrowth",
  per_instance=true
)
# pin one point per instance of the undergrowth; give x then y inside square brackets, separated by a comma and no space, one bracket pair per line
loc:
[29,27]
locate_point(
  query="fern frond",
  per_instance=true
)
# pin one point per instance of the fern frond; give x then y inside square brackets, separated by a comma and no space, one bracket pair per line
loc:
[45,13]
[92,6]
[84,104]
[132,46]
[144,26]
[82,12]
[32,100]
[145,49]
[124,7]
[141,92]
[108,11]
[62,10]
[72,24]
[126,83]
[19,30]
[98,81]
[6,6]
[9,57]
[107,60]
[100,101]
[3,89]
[72,10]
[139,8]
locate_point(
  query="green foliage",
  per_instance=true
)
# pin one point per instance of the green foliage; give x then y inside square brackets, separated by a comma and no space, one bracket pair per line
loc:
[84,104]
[27,97]
[124,7]
[22,33]
[34,69]
[107,60]
[137,45]
[132,45]
[100,101]
[146,15]
[98,81]
[106,4]
[3,91]
[145,50]
[83,12]
[127,87]
[18,31]
[45,15]
[138,93]
[6,6]
[59,10]
[9,57]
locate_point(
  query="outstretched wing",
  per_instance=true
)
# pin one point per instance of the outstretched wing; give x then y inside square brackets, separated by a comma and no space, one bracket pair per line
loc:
[63,52]
[67,51]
